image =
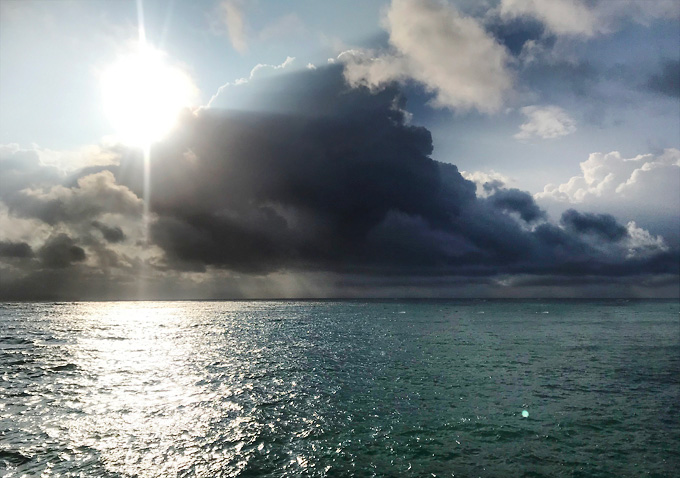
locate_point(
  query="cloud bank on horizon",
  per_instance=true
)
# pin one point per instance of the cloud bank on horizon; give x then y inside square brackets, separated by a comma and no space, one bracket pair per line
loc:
[318,181]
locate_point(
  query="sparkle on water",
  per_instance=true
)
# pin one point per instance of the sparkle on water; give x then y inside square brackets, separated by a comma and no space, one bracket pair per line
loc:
[219,389]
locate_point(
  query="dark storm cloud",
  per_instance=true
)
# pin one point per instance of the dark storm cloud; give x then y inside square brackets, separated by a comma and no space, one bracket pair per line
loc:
[15,249]
[60,251]
[514,200]
[666,81]
[491,186]
[602,225]
[335,179]
[308,177]
[110,233]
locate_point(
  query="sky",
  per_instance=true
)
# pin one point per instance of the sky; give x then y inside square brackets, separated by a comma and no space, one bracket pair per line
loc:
[263,149]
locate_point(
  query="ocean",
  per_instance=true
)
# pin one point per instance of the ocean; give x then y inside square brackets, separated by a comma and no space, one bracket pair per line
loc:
[517,388]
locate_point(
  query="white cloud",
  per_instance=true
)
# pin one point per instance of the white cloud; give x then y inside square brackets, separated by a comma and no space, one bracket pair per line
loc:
[261,70]
[480,178]
[95,194]
[545,122]
[433,44]
[231,13]
[641,243]
[645,188]
[645,178]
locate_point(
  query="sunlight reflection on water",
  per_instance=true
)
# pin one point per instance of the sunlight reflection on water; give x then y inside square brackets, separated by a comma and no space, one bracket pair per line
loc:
[218,389]
[141,394]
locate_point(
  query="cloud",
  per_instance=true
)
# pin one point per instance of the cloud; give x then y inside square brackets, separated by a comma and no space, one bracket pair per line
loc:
[514,200]
[15,249]
[110,233]
[666,81]
[579,18]
[450,55]
[228,96]
[602,225]
[329,182]
[562,17]
[643,180]
[94,194]
[545,122]
[231,13]
[643,188]
[336,180]
[262,69]
[641,243]
[60,251]
[486,182]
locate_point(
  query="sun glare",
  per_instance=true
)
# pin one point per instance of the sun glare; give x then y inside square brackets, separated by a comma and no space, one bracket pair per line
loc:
[143,96]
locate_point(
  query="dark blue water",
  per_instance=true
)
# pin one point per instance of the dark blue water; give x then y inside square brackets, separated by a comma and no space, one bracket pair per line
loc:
[434,388]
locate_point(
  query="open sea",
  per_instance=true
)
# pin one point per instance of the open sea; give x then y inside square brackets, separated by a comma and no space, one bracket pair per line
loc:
[535,388]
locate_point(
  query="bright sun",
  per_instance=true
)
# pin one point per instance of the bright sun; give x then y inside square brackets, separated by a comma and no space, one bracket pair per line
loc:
[143,96]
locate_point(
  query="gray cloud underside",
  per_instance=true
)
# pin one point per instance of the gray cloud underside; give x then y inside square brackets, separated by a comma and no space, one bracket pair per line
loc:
[348,186]
[333,181]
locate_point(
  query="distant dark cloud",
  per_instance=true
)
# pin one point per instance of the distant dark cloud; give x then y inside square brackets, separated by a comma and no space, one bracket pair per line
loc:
[15,249]
[60,251]
[666,81]
[332,181]
[110,233]
[517,201]
[602,225]
[346,186]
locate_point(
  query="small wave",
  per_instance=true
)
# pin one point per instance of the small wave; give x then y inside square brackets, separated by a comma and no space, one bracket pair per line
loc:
[65,368]
[15,341]
[13,458]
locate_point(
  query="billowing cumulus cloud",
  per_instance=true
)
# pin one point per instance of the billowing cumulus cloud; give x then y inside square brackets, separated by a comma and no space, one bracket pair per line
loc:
[331,184]
[643,188]
[93,195]
[452,56]
[486,181]
[545,122]
[648,179]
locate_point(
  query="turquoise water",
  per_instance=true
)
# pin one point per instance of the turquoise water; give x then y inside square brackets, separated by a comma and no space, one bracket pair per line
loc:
[211,389]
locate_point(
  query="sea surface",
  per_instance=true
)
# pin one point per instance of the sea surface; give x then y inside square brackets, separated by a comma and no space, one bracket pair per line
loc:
[378,388]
